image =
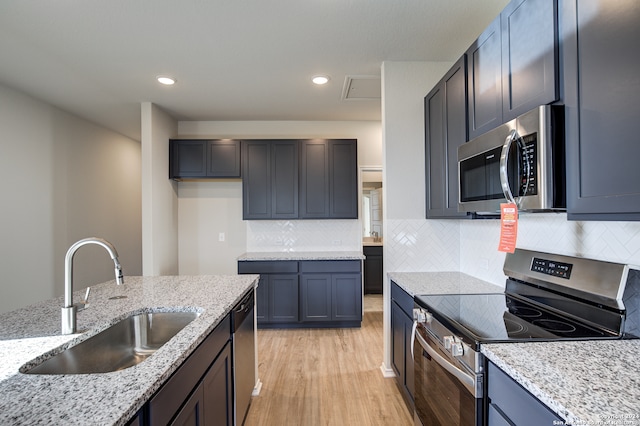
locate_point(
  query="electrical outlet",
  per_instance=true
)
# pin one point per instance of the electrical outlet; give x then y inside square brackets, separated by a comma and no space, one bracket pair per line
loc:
[337,242]
[221,236]
[484,263]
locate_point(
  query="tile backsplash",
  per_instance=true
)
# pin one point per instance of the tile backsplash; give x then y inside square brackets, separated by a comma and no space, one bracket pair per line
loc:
[470,246]
[303,235]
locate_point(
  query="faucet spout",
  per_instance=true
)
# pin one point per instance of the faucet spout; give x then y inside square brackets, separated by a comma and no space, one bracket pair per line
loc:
[69,309]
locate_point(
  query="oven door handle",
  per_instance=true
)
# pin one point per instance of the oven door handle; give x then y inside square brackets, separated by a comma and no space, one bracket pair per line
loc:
[467,380]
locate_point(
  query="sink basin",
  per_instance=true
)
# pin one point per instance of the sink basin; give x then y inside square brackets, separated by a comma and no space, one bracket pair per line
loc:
[124,344]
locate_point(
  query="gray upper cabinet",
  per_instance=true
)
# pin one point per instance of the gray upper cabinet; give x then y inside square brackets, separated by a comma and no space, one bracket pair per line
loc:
[484,73]
[198,158]
[445,130]
[602,100]
[529,52]
[328,179]
[512,67]
[314,179]
[270,179]
[223,158]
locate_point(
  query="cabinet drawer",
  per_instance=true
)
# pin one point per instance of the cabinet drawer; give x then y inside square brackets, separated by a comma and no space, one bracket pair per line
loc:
[329,266]
[267,267]
[402,298]
[517,404]
[166,403]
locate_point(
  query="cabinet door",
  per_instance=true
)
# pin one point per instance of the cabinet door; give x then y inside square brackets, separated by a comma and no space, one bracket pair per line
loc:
[346,297]
[602,100]
[284,179]
[397,342]
[315,297]
[484,73]
[223,159]
[283,298]
[329,179]
[187,158]
[256,180]
[373,270]
[445,131]
[343,179]
[529,51]
[218,391]
[511,401]
[191,414]
[314,179]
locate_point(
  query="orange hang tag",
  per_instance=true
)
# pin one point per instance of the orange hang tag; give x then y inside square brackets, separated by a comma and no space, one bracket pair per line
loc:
[508,227]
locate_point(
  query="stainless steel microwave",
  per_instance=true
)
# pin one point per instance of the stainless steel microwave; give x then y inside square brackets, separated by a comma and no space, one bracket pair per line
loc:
[521,161]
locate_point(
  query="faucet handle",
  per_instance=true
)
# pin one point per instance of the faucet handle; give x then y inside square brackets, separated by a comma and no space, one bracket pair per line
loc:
[85,302]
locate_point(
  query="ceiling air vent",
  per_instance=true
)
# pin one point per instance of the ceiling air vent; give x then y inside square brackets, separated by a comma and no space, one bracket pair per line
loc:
[361,87]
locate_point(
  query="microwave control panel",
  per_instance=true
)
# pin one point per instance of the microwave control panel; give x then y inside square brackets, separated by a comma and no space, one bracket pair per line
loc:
[529,155]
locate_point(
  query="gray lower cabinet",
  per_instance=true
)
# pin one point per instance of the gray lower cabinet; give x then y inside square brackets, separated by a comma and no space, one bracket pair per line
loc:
[200,392]
[511,404]
[373,269]
[277,292]
[330,291]
[445,130]
[401,358]
[307,293]
[602,100]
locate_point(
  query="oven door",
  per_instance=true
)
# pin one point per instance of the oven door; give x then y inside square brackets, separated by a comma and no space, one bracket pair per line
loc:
[445,394]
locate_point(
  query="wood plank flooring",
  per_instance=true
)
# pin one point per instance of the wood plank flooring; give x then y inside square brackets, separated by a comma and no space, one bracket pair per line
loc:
[326,377]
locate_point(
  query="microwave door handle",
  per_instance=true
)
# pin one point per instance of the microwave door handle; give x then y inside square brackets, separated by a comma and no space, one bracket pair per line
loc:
[504,165]
[467,380]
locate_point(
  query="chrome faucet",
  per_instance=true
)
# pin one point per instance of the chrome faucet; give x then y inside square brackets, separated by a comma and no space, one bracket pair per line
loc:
[69,310]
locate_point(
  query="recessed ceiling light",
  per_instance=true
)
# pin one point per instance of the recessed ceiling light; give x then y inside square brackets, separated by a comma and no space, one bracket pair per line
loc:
[166,80]
[320,79]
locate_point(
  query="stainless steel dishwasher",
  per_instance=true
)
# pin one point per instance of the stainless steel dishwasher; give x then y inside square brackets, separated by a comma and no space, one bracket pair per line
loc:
[244,375]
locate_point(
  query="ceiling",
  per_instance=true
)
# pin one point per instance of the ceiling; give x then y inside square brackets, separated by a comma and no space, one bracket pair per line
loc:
[233,59]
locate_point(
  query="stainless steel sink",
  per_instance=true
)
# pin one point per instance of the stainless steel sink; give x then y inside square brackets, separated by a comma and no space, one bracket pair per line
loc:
[124,344]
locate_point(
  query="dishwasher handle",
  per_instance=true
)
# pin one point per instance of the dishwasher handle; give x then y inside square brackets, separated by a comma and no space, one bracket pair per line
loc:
[243,310]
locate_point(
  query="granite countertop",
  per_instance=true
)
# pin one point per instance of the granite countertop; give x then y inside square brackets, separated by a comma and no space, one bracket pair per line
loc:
[585,382]
[106,398]
[302,255]
[416,283]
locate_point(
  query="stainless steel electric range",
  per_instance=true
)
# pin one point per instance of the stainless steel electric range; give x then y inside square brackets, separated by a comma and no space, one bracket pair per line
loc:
[547,297]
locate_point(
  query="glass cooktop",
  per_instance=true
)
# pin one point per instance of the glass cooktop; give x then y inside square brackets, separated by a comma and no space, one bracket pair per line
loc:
[498,317]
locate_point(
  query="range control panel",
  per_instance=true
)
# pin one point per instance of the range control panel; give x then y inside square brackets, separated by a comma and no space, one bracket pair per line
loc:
[553,268]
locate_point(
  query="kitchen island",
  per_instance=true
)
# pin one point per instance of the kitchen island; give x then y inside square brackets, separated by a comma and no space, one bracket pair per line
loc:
[106,398]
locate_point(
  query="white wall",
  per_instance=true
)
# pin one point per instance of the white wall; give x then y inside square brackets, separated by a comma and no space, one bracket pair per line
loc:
[207,209]
[64,179]
[159,194]
[611,241]
[409,240]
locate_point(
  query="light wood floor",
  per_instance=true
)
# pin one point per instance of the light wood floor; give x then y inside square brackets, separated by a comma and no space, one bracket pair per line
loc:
[326,377]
